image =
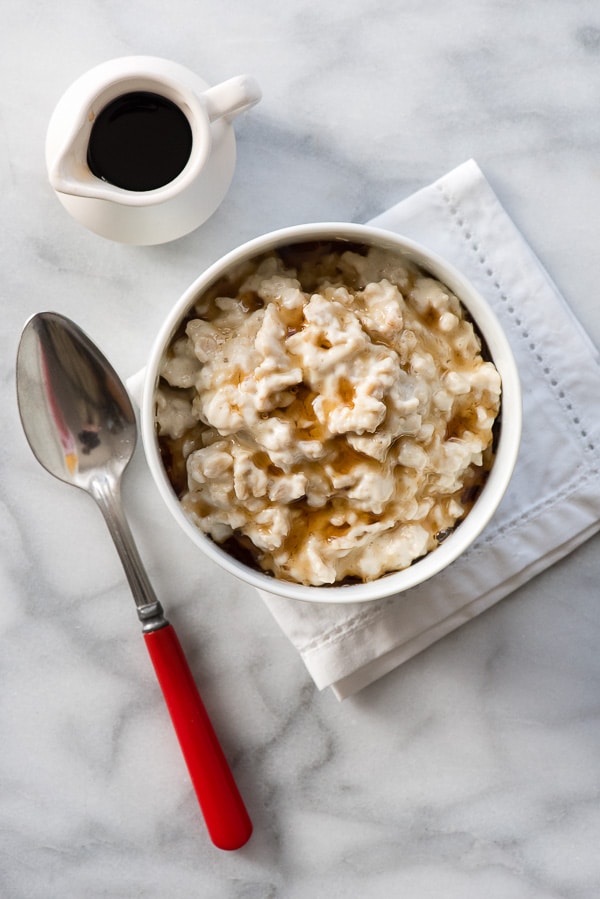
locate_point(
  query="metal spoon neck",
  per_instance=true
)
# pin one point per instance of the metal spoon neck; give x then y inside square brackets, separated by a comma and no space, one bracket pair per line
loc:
[106,491]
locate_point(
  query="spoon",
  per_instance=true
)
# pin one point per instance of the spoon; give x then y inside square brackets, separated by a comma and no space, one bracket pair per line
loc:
[80,424]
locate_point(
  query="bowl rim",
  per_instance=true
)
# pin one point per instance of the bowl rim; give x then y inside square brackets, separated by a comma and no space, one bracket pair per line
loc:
[508,443]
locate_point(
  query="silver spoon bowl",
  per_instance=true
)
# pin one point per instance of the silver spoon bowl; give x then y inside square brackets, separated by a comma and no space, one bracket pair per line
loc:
[81,426]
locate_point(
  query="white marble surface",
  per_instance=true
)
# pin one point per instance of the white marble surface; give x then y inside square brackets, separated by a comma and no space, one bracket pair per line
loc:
[473,770]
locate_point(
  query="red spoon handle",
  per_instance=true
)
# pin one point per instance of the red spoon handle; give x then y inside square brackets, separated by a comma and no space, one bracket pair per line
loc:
[227,820]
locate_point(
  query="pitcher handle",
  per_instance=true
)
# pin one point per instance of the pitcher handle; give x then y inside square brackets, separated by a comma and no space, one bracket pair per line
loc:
[232,97]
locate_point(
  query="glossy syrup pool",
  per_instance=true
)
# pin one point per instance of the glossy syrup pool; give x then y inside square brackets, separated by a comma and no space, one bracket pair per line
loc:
[140,141]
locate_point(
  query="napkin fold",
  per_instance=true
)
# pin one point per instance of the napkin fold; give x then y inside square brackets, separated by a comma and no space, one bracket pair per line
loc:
[553,502]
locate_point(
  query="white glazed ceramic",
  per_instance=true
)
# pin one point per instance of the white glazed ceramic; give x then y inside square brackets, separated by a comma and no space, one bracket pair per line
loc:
[153,216]
[508,443]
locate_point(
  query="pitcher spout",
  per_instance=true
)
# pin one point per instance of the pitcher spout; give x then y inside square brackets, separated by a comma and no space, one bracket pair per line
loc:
[69,172]
[66,158]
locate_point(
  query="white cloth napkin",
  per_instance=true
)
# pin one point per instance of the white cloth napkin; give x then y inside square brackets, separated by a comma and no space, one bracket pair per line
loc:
[553,503]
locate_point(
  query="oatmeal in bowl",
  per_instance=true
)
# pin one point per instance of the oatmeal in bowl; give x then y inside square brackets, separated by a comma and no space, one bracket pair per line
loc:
[332,413]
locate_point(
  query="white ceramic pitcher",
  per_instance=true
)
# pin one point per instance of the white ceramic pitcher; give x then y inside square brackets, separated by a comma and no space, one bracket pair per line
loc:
[166,212]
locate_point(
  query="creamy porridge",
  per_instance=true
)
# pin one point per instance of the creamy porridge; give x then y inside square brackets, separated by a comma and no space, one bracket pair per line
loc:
[327,413]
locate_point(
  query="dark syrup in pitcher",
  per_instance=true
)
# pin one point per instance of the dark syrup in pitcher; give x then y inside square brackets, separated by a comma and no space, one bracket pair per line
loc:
[139,141]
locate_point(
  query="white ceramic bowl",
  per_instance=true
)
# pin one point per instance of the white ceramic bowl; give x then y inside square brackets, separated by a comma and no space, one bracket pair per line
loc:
[508,442]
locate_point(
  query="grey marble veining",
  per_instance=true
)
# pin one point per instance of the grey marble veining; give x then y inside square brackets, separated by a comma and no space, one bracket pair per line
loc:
[474,769]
